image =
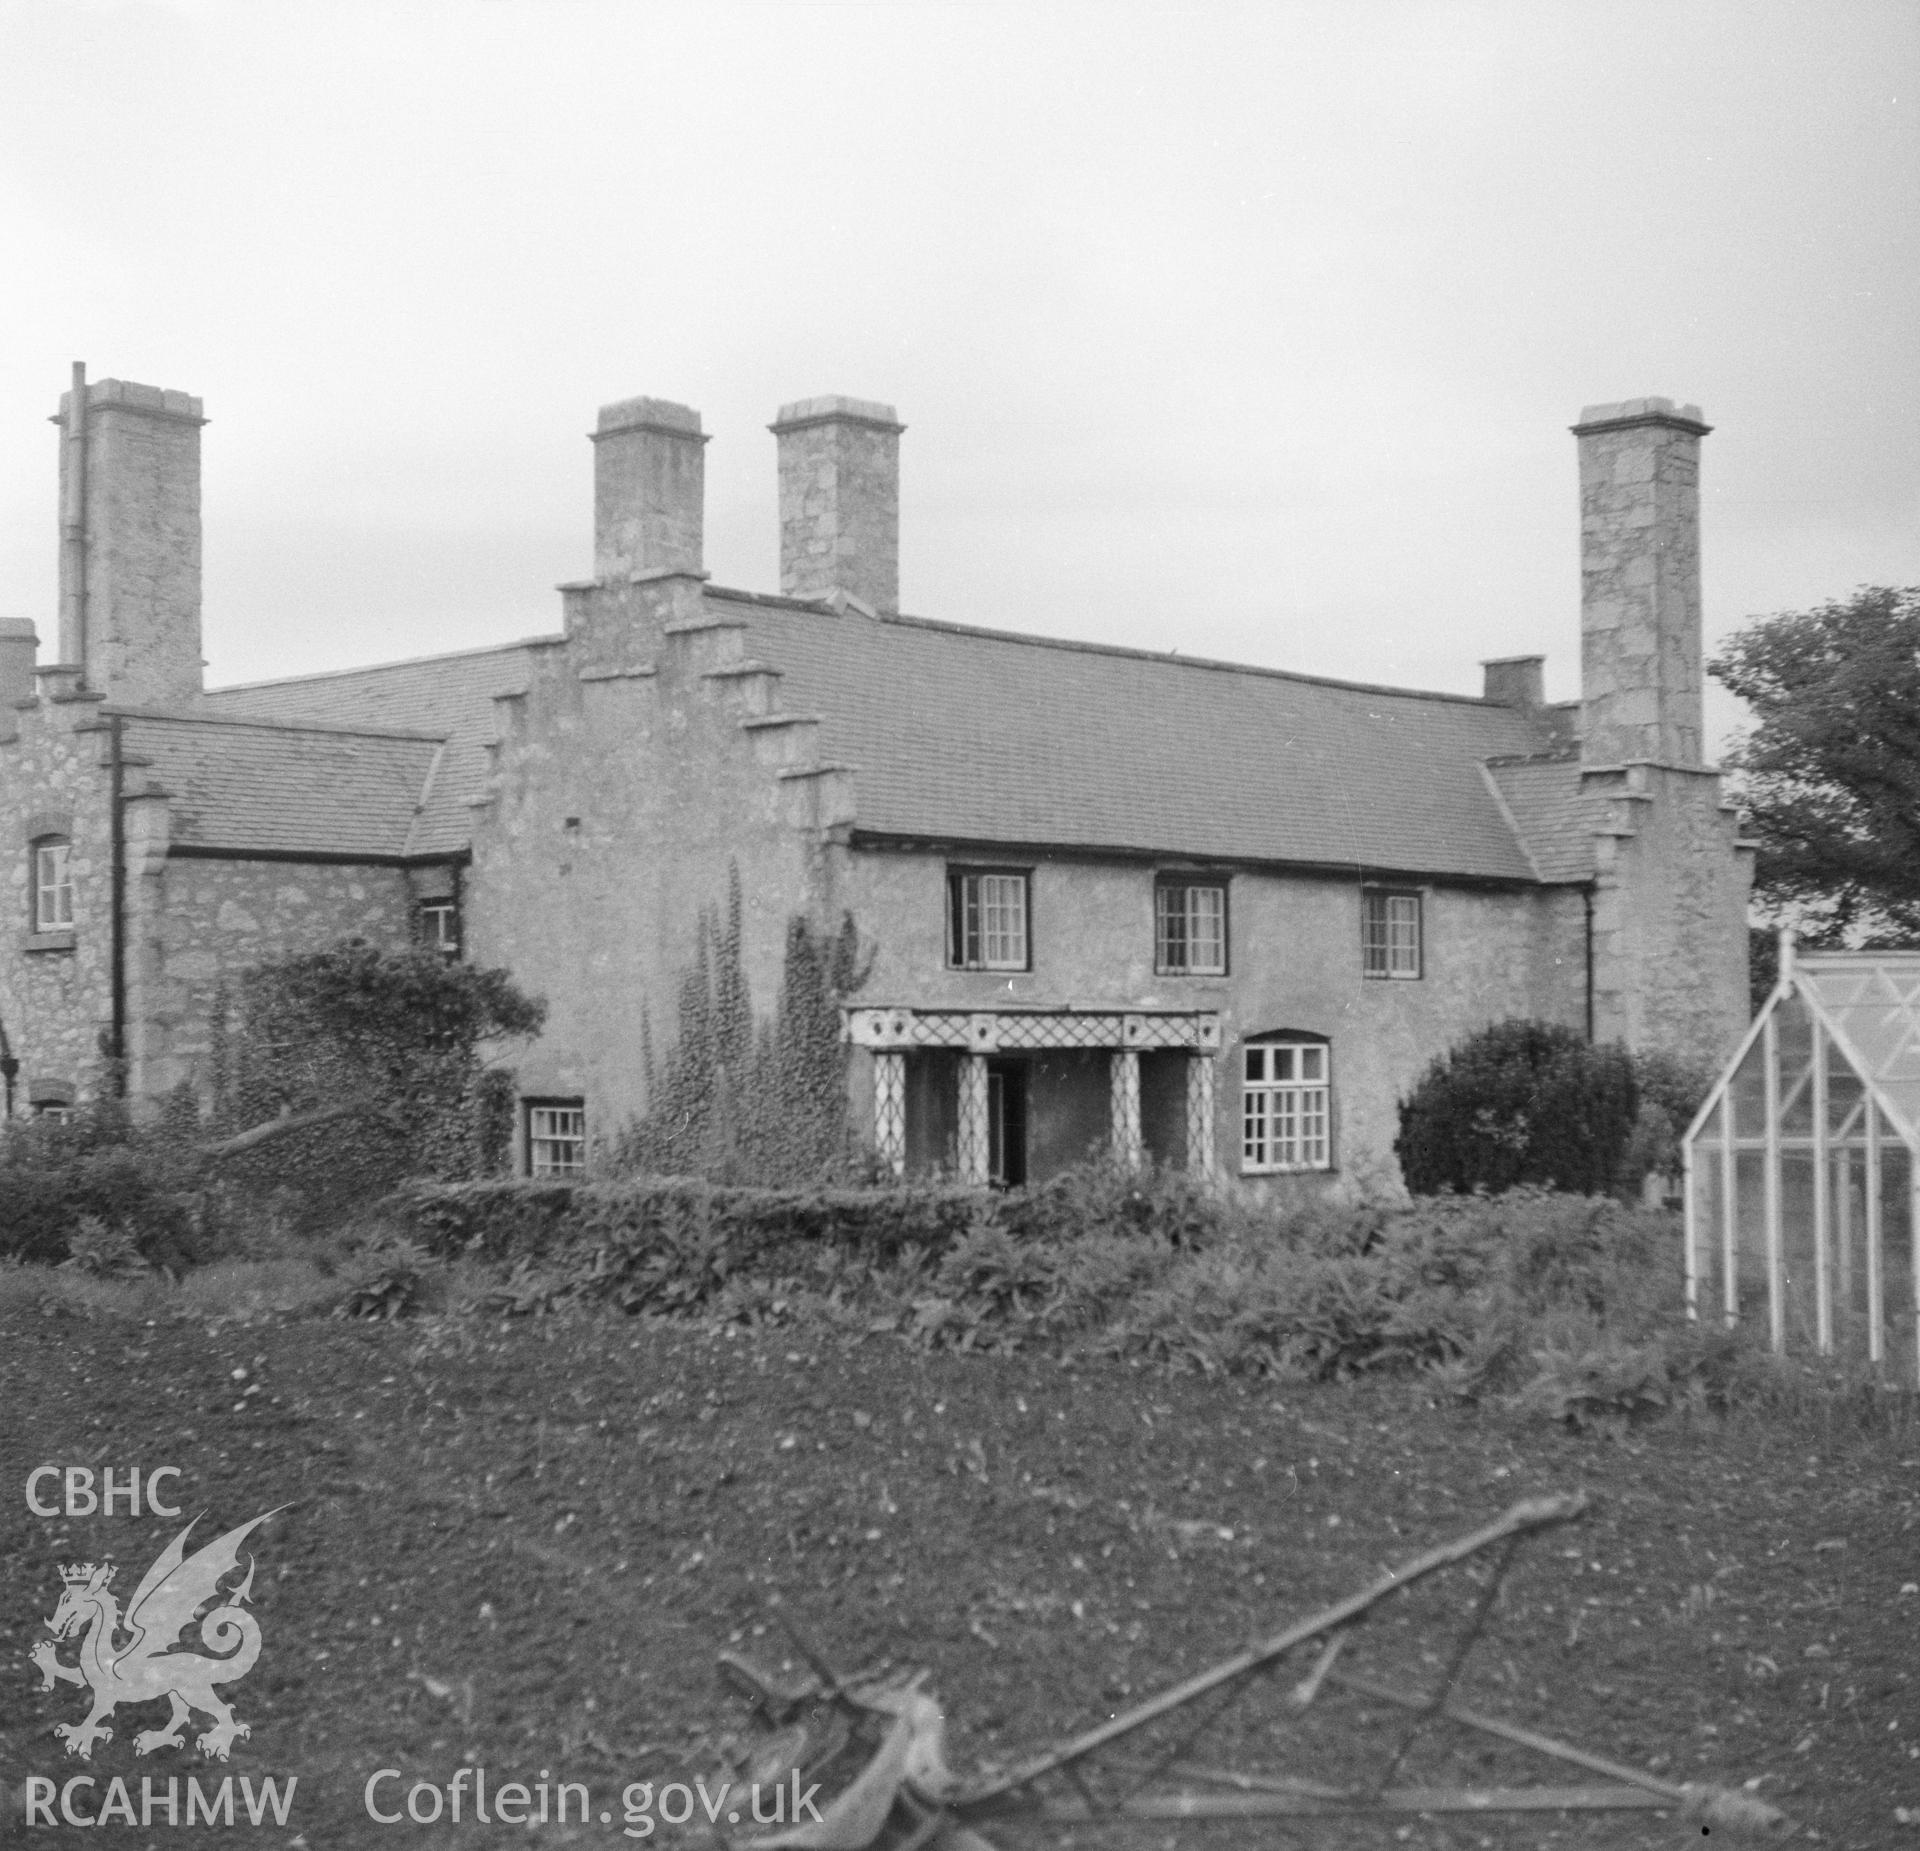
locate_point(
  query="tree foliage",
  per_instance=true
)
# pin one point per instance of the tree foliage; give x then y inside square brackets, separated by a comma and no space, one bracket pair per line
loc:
[1830,771]
[339,1071]
[737,1101]
[1520,1102]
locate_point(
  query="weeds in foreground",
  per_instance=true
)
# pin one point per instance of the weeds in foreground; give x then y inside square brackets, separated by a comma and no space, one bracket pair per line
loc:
[1568,1307]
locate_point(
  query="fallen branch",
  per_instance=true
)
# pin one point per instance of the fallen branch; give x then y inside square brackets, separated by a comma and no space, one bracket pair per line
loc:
[257,1135]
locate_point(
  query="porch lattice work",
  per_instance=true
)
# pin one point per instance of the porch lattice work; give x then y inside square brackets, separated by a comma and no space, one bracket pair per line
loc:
[1803,1189]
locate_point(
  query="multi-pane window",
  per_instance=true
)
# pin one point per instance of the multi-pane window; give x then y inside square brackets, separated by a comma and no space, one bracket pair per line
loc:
[557,1138]
[1285,1104]
[1390,934]
[1190,928]
[52,885]
[440,927]
[987,920]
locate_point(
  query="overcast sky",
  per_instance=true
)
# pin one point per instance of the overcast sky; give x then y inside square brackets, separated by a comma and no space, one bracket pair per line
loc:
[1250,331]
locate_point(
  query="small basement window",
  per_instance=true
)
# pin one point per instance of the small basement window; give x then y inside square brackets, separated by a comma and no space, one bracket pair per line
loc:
[1390,934]
[51,882]
[557,1137]
[1285,1105]
[987,919]
[1190,928]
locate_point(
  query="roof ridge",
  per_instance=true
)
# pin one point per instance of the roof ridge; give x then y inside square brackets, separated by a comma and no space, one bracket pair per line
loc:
[1172,658]
[161,716]
[375,668]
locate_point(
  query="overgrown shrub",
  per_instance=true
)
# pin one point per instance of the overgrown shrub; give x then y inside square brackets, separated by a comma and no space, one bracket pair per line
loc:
[1520,1102]
[338,1072]
[95,1185]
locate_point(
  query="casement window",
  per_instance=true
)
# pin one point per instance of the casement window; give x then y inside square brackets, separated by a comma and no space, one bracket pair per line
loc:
[438,925]
[557,1137]
[987,919]
[52,884]
[1190,928]
[1389,933]
[1286,1105]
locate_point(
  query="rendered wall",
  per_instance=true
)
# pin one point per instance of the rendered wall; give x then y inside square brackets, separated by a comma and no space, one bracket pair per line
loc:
[1295,963]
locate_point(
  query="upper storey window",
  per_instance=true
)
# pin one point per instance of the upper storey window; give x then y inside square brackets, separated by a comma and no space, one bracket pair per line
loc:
[1190,928]
[1390,934]
[52,884]
[987,919]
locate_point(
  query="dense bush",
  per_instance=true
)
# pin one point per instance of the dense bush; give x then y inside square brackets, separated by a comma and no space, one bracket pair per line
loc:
[356,1067]
[1482,1293]
[1521,1102]
[97,1180]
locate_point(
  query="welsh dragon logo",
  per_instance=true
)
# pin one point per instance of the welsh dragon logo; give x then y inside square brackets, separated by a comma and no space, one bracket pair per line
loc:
[142,1657]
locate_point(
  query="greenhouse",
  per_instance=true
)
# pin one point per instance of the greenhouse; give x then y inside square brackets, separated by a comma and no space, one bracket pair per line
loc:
[1802,1186]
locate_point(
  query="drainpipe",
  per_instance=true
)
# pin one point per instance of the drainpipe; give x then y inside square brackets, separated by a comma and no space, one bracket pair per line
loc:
[9,1071]
[117,1050]
[73,525]
[1586,900]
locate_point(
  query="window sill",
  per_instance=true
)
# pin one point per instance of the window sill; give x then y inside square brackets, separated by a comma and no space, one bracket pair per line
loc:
[1393,976]
[47,941]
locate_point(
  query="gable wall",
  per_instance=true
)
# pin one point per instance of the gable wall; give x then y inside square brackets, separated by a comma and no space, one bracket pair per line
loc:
[623,797]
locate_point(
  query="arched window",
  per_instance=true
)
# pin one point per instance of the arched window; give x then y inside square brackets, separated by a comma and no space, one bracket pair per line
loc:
[50,883]
[1286,1103]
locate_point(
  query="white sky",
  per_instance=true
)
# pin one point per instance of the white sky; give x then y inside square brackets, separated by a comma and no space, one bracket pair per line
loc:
[1248,331]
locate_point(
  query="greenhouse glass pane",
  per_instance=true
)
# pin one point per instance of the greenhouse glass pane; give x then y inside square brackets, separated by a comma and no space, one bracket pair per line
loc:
[1799,1280]
[1750,1234]
[1897,1263]
[1709,1287]
[1793,1028]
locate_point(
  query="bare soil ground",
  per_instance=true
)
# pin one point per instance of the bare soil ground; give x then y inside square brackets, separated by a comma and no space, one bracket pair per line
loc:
[521,1546]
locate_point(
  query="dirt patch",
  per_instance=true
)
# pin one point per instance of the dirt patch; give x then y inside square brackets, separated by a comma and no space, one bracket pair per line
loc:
[520,1547]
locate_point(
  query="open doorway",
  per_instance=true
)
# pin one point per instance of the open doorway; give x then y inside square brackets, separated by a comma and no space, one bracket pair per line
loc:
[1007,1122]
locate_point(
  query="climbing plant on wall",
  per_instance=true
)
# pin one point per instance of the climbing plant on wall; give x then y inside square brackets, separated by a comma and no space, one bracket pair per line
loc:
[740,1101]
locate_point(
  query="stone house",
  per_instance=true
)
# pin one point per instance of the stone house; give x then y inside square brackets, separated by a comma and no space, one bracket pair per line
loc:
[1215,914]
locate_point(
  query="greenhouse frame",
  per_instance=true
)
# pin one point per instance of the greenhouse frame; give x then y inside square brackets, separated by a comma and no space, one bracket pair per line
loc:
[1803,1166]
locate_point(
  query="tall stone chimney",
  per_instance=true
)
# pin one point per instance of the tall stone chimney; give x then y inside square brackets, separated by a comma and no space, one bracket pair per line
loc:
[1640,583]
[130,530]
[649,489]
[840,500]
[18,645]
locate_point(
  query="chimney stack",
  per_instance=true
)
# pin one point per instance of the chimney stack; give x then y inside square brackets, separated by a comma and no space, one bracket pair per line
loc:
[1514,681]
[130,533]
[1640,583]
[649,489]
[18,646]
[840,500]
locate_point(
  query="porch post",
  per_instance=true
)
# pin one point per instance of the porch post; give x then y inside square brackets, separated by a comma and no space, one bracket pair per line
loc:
[890,1110]
[1124,1125]
[973,1119]
[1202,1158]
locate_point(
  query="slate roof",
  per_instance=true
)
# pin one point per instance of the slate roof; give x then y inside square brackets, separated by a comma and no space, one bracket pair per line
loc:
[253,788]
[959,735]
[447,697]
[1555,821]
[984,736]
